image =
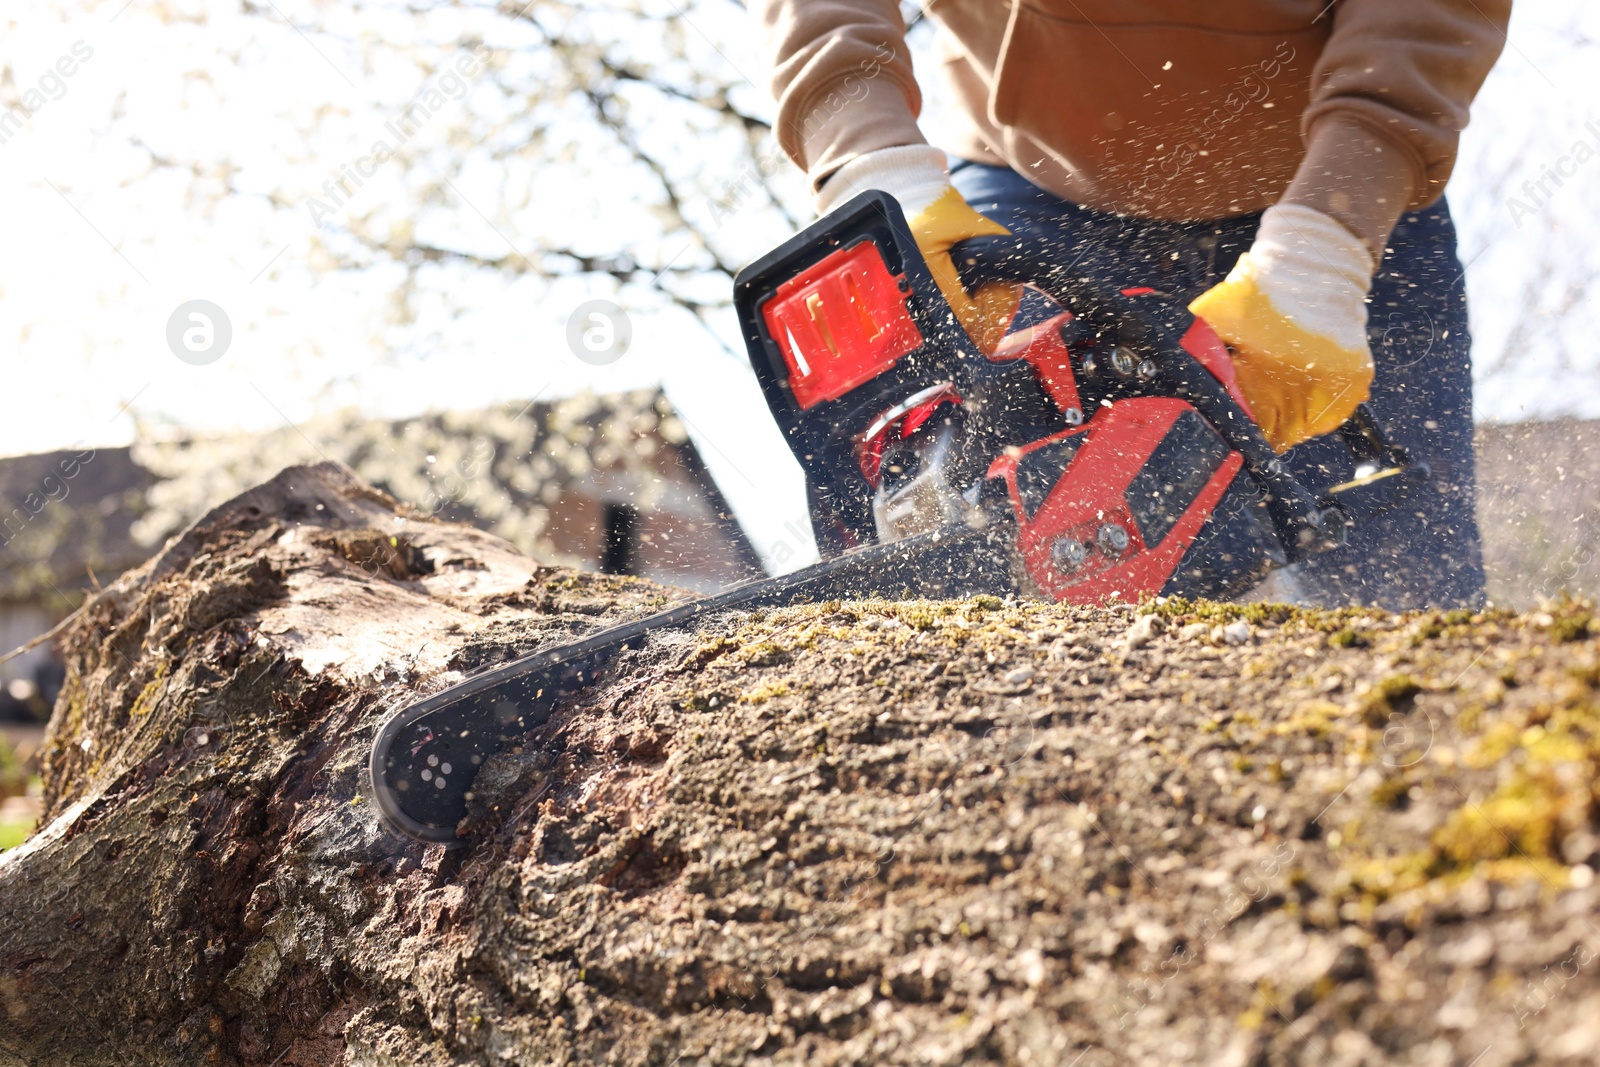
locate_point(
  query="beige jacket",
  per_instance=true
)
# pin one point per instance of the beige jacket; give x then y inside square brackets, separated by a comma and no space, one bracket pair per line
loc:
[1176,109]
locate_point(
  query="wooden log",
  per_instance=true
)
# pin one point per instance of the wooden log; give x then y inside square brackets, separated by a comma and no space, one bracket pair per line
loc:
[845,833]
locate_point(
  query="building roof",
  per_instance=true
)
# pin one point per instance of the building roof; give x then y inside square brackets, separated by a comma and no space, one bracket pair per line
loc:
[65,515]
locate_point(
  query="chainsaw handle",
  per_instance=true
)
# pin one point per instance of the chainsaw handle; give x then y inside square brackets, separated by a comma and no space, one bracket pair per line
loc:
[1152,325]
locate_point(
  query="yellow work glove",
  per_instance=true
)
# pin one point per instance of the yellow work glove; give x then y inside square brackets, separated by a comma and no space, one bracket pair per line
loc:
[1293,309]
[917,176]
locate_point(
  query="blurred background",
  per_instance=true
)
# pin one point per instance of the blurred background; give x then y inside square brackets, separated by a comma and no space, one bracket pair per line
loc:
[243,235]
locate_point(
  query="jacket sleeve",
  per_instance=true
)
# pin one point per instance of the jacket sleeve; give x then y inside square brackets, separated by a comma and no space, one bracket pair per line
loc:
[1389,99]
[841,74]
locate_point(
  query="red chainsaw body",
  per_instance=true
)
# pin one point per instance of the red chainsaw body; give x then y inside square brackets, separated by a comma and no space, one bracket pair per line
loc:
[855,351]
[1091,486]
[1091,495]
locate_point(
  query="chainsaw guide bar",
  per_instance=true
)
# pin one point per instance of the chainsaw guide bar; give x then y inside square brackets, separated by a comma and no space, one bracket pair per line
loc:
[426,757]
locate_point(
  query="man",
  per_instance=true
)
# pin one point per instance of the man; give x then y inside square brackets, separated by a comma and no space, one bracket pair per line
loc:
[1281,163]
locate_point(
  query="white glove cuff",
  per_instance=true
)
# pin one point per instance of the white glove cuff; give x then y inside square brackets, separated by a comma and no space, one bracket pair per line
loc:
[916,175]
[1315,272]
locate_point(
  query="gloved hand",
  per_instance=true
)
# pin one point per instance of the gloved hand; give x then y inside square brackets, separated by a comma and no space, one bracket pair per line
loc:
[1293,310]
[917,176]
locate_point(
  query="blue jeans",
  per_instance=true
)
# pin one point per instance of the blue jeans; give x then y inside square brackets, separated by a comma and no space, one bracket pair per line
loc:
[1425,553]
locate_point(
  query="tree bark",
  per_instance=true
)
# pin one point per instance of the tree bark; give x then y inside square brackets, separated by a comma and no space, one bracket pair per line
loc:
[861,833]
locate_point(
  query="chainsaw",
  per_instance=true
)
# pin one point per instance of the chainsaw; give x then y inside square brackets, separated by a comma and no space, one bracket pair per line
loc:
[1102,453]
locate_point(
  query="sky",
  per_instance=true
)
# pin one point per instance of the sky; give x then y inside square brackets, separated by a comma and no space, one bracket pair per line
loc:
[102,249]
